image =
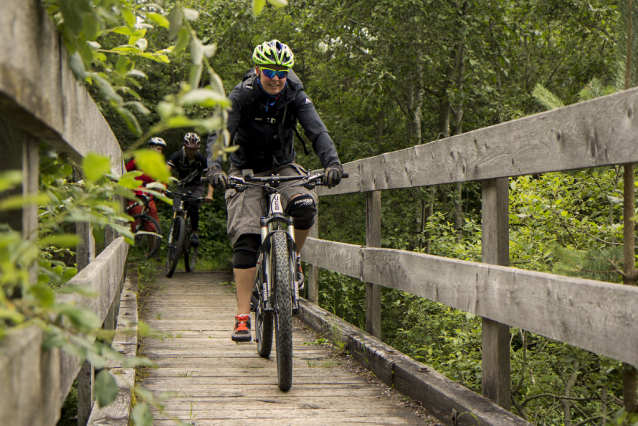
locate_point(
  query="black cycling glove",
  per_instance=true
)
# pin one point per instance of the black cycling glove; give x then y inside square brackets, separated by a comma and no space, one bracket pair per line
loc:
[332,175]
[217,178]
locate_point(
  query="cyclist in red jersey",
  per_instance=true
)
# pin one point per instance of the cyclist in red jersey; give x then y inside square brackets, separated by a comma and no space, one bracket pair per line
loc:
[134,207]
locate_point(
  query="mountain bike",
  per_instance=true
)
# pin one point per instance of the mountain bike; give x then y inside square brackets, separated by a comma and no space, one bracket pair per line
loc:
[147,230]
[179,237]
[276,293]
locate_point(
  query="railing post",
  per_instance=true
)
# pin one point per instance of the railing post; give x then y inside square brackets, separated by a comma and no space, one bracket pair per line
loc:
[373,239]
[85,253]
[496,337]
[313,271]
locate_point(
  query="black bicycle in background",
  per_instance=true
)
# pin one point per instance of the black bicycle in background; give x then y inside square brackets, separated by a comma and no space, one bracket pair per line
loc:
[148,233]
[276,293]
[179,237]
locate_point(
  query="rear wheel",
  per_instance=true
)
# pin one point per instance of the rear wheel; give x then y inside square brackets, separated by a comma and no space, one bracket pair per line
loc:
[175,244]
[146,242]
[283,302]
[190,252]
[190,259]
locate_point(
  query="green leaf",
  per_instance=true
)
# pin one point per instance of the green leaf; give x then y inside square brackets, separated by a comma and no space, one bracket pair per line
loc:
[77,66]
[158,19]
[205,97]
[190,14]
[81,318]
[153,164]
[105,388]
[258,6]
[278,3]
[141,415]
[175,21]
[95,166]
[183,37]
[139,107]
[60,240]
[129,17]
[130,120]
[10,179]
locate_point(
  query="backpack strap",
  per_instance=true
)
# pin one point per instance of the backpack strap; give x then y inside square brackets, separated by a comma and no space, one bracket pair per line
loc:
[305,150]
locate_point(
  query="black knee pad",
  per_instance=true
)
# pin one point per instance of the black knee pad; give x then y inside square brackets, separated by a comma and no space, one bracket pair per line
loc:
[245,251]
[303,210]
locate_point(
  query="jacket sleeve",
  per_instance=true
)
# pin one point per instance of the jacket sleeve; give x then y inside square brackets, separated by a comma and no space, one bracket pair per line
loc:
[315,130]
[234,115]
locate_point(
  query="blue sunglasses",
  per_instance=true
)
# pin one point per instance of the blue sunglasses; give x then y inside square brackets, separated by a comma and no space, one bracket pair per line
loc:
[272,73]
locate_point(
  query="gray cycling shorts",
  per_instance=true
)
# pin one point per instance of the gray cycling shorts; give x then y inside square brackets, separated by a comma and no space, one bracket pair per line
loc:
[247,207]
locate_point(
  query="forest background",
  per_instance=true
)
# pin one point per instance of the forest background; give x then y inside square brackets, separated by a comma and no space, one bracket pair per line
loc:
[391,74]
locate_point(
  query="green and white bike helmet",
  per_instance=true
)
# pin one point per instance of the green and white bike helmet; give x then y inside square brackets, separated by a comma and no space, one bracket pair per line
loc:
[274,52]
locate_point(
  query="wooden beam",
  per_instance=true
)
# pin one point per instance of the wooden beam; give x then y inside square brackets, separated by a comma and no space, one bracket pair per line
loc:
[593,315]
[440,396]
[31,377]
[313,271]
[38,91]
[495,250]
[373,239]
[602,131]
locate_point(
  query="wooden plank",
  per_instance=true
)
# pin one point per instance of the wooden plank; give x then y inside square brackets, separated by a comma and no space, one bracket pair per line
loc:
[495,250]
[373,239]
[338,257]
[592,315]
[38,91]
[118,413]
[438,394]
[602,131]
[217,379]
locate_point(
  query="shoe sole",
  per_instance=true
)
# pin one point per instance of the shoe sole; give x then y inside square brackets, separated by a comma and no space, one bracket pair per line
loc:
[242,339]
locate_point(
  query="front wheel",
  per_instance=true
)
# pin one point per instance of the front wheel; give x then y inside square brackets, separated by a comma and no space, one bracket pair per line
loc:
[283,307]
[190,258]
[146,242]
[263,333]
[175,244]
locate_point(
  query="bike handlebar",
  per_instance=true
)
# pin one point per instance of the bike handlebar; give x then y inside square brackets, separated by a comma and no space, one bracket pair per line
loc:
[310,180]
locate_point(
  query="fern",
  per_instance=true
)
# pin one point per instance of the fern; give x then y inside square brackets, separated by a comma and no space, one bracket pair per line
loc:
[546,98]
[627,53]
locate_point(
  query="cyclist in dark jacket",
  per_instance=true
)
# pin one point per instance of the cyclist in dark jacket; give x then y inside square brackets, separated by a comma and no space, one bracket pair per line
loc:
[265,109]
[191,165]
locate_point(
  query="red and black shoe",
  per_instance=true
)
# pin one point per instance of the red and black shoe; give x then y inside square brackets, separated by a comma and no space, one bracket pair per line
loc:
[241,332]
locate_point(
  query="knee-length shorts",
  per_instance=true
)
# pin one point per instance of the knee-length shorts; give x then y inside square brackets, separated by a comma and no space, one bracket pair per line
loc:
[247,207]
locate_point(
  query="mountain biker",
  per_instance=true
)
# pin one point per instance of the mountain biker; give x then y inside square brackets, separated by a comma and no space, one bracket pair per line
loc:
[191,165]
[265,110]
[134,207]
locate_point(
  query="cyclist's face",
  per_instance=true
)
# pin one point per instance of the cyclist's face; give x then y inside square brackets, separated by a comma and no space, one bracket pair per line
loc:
[158,148]
[272,86]
[190,153]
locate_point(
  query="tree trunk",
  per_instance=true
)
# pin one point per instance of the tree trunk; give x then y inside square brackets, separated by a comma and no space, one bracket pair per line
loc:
[458,129]
[569,386]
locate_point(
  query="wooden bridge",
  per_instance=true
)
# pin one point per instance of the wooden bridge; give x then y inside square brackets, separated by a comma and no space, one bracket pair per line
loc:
[41,101]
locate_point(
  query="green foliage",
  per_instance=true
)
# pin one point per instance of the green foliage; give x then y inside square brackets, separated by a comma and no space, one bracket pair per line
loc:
[546,98]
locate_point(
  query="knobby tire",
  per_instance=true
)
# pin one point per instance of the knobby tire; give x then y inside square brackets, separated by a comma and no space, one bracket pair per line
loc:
[283,300]
[190,252]
[264,331]
[176,242]
[141,241]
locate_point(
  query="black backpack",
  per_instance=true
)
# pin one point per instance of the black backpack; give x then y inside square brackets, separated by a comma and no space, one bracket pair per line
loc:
[252,101]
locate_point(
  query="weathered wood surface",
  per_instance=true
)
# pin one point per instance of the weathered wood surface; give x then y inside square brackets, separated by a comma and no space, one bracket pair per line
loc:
[38,91]
[373,239]
[125,342]
[31,377]
[439,395]
[218,382]
[593,315]
[599,132]
[495,342]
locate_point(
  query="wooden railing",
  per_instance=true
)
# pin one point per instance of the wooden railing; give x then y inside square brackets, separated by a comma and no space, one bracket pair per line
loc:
[40,101]
[593,315]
